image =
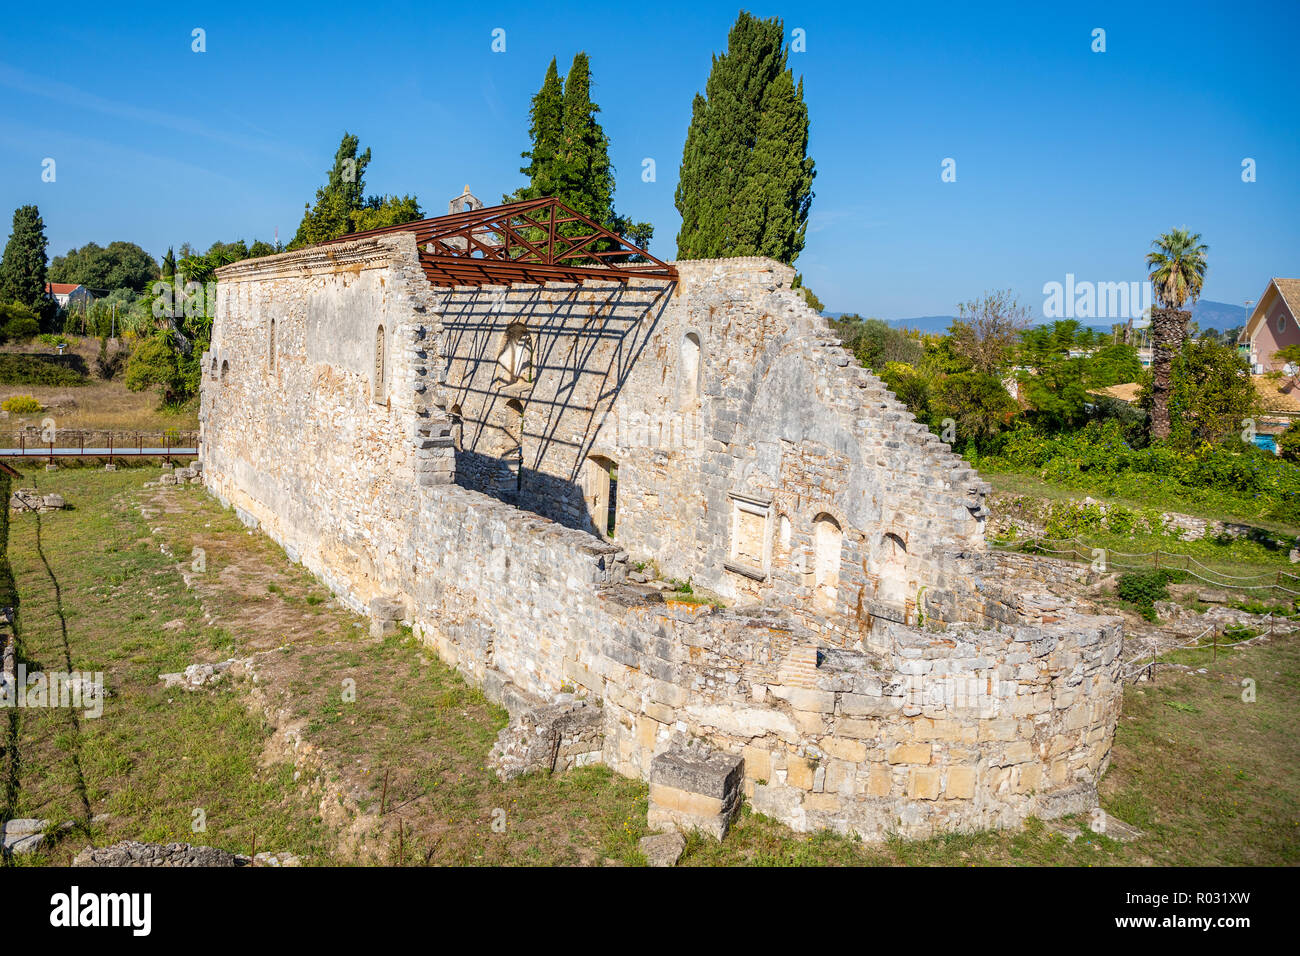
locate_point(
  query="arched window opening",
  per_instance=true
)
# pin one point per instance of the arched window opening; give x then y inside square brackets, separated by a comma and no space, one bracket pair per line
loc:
[225,370]
[600,489]
[689,369]
[892,561]
[784,533]
[516,358]
[379,364]
[270,347]
[828,539]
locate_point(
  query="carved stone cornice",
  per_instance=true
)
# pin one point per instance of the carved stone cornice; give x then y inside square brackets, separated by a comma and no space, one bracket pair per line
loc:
[370,253]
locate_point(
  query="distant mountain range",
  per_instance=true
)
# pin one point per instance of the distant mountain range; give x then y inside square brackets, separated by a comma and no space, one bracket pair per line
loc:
[1207,314]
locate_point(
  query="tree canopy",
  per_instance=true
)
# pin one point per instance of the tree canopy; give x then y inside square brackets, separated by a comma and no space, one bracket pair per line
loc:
[569,155]
[120,265]
[342,206]
[745,186]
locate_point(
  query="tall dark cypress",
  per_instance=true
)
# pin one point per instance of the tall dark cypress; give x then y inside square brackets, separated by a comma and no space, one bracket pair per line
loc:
[746,179]
[23,268]
[545,131]
[587,178]
[569,158]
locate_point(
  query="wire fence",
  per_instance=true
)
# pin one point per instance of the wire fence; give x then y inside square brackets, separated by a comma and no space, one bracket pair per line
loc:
[1074,549]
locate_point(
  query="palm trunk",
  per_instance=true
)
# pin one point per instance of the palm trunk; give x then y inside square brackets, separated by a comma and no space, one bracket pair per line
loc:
[1168,328]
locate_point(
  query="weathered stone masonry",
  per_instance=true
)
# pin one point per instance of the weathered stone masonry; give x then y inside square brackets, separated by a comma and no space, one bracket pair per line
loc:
[448,452]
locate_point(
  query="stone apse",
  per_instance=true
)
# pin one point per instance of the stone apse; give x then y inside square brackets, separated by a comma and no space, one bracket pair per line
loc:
[490,462]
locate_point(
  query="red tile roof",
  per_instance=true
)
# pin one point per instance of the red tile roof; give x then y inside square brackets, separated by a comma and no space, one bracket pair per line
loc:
[61,288]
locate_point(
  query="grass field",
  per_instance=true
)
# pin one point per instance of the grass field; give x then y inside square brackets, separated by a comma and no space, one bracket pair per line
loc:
[97,404]
[354,749]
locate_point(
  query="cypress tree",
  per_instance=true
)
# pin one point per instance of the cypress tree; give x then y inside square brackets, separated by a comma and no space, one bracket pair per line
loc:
[341,196]
[23,268]
[569,158]
[545,131]
[585,174]
[745,186]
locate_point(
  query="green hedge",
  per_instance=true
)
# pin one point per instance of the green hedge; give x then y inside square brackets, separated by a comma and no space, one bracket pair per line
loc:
[25,368]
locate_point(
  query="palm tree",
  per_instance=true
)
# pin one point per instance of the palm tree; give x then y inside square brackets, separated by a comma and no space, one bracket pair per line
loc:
[1177,274]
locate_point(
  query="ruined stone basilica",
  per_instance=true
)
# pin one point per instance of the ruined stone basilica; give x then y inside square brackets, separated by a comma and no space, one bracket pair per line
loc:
[503,425]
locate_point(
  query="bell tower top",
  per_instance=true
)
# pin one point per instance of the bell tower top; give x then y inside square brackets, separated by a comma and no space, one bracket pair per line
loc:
[465,202]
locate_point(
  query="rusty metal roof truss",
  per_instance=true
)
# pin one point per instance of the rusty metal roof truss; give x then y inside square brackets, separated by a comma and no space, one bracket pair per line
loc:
[534,241]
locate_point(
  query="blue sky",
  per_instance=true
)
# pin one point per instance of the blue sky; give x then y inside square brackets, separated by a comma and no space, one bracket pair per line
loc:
[1067,161]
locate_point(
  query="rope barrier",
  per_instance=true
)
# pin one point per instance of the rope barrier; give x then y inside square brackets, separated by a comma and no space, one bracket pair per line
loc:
[1193,644]
[1222,579]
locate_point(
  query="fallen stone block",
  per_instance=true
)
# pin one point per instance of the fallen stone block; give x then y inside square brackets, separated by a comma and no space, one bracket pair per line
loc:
[1103,823]
[386,614]
[22,836]
[694,789]
[197,675]
[662,849]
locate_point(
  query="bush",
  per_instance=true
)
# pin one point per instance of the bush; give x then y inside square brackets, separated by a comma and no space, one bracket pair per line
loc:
[18,323]
[107,365]
[21,329]
[1097,458]
[18,368]
[1143,588]
[21,405]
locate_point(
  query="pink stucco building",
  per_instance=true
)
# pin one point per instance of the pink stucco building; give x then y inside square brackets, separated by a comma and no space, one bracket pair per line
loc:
[1272,325]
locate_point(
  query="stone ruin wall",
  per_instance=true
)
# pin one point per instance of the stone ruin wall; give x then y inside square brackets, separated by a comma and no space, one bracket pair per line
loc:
[846,718]
[778,416]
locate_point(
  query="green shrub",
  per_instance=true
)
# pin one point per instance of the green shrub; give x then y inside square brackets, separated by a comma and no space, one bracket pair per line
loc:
[1143,588]
[1234,476]
[17,322]
[21,329]
[21,368]
[21,405]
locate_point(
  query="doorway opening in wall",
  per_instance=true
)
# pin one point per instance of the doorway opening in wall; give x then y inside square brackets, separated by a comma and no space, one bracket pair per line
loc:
[828,539]
[600,489]
[457,428]
[514,455]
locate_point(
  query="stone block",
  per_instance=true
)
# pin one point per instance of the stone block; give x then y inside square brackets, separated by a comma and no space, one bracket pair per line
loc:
[1018,752]
[845,749]
[961,783]
[923,783]
[695,790]
[799,772]
[879,781]
[910,753]
[1030,778]
[758,763]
